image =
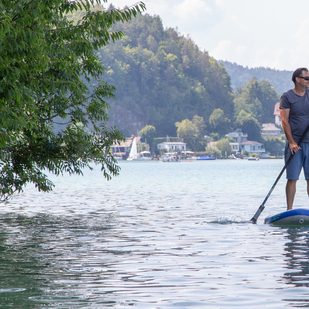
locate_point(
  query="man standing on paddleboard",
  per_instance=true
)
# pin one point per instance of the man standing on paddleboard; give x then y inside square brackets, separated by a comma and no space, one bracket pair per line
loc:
[294,111]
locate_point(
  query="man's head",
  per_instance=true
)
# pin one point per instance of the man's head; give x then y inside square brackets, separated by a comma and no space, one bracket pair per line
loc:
[298,73]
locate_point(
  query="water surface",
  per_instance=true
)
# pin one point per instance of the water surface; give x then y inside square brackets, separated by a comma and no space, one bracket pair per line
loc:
[161,235]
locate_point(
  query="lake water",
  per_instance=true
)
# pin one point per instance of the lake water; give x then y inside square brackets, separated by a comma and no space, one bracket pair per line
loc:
[161,235]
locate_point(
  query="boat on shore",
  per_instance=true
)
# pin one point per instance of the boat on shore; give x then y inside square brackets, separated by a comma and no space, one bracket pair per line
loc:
[170,157]
[253,159]
[135,156]
[206,158]
[118,156]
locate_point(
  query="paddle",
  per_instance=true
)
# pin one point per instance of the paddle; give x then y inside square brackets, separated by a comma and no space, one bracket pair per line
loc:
[261,208]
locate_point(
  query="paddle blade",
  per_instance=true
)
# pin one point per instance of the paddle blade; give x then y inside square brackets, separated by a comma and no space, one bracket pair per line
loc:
[257,214]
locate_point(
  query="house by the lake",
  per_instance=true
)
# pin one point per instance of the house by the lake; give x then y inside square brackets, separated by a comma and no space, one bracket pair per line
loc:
[252,147]
[123,148]
[172,146]
[242,144]
[270,130]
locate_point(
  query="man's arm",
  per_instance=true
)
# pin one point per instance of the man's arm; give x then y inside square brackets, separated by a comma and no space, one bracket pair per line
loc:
[285,113]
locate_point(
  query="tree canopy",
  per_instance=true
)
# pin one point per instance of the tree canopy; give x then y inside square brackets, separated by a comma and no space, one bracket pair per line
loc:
[257,98]
[190,131]
[218,122]
[224,146]
[46,64]
[249,125]
[254,104]
[148,133]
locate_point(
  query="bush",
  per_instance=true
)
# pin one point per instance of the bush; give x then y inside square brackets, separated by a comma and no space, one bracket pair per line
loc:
[275,146]
[224,146]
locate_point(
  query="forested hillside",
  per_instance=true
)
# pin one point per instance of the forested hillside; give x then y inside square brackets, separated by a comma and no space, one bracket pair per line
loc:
[162,78]
[280,80]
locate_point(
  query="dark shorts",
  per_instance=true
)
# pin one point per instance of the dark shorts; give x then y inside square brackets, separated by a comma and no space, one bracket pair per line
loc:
[299,161]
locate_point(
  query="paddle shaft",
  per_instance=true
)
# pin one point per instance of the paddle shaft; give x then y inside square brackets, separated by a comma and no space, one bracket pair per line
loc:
[261,208]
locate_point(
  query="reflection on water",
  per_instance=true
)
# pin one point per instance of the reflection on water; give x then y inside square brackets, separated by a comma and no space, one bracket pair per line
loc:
[52,261]
[159,236]
[297,257]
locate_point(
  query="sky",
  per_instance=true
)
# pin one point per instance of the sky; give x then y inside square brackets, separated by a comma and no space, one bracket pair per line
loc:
[253,33]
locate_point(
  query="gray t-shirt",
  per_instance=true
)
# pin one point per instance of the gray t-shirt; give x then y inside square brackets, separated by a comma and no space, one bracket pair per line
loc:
[299,113]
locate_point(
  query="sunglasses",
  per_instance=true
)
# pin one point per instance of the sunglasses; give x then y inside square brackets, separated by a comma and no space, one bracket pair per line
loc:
[304,77]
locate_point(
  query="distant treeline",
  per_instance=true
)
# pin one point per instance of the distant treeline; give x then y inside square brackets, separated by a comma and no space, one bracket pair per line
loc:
[280,80]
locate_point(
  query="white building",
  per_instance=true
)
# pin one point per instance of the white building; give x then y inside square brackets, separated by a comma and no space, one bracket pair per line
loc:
[252,147]
[270,130]
[239,136]
[241,144]
[172,146]
[235,147]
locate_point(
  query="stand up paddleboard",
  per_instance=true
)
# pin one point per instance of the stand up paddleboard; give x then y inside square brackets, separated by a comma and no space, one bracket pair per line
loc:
[295,217]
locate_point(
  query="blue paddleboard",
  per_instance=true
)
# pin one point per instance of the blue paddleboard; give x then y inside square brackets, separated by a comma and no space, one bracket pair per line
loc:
[294,217]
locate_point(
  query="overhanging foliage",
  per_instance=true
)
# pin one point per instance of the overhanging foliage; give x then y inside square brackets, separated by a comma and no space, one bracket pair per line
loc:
[45,60]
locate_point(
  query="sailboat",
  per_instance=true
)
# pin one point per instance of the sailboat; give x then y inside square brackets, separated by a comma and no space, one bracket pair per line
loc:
[135,156]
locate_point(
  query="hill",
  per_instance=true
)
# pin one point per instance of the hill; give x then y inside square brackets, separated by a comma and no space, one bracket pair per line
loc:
[161,78]
[280,80]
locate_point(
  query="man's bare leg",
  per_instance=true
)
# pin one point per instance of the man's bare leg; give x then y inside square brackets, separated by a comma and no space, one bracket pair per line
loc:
[290,190]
